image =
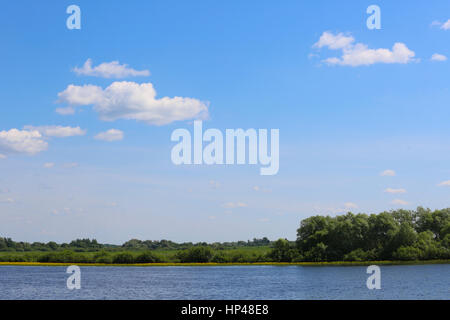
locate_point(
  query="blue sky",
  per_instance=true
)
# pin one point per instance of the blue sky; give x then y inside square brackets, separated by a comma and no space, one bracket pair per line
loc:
[252,64]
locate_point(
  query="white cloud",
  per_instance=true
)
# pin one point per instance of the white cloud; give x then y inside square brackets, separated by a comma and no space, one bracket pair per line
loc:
[359,54]
[394,191]
[444,184]
[388,173]
[111,69]
[234,205]
[334,42]
[351,205]
[22,141]
[399,202]
[58,131]
[446,25]
[133,101]
[65,111]
[110,135]
[438,57]
[2,156]
[49,165]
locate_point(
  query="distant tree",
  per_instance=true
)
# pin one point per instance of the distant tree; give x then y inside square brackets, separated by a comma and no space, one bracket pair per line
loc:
[123,258]
[195,254]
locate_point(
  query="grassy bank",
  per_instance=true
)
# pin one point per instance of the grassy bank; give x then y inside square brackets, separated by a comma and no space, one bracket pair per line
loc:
[212,264]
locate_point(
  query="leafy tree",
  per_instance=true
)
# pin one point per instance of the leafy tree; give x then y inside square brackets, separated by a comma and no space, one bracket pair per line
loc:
[195,254]
[124,258]
[147,257]
[282,251]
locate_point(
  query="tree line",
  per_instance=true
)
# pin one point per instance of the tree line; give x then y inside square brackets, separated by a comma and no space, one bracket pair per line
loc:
[88,245]
[420,234]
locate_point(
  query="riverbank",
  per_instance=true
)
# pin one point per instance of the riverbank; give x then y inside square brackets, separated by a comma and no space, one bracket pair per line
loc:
[212,264]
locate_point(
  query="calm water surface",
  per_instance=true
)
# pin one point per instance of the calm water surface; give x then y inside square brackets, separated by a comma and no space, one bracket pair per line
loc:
[228,282]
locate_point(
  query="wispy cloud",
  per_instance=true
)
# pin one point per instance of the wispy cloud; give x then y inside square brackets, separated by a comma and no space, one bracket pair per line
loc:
[394,191]
[57,131]
[111,69]
[399,202]
[442,25]
[388,173]
[110,135]
[231,205]
[350,205]
[438,57]
[444,184]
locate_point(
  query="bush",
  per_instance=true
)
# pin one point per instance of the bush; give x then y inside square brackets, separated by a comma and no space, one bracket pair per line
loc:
[102,257]
[124,258]
[147,257]
[220,258]
[356,255]
[195,254]
[407,253]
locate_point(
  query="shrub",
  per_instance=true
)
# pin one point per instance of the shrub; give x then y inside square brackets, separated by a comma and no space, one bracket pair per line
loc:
[195,254]
[356,255]
[407,253]
[147,257]
[124,258]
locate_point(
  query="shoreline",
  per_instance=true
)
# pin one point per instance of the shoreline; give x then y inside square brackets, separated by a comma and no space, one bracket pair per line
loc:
[213,264]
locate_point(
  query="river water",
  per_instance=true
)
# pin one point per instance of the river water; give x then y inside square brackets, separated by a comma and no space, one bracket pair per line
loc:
[226,282]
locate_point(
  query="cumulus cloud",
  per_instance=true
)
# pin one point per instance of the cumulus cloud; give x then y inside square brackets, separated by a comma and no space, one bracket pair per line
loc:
[334,42]
[111,69]
[57,131]
[438,57]
[399,202]
[110,135]
[22,141]
[359,54]
[388,173]
[444,184]
[133,101]
[394,191]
